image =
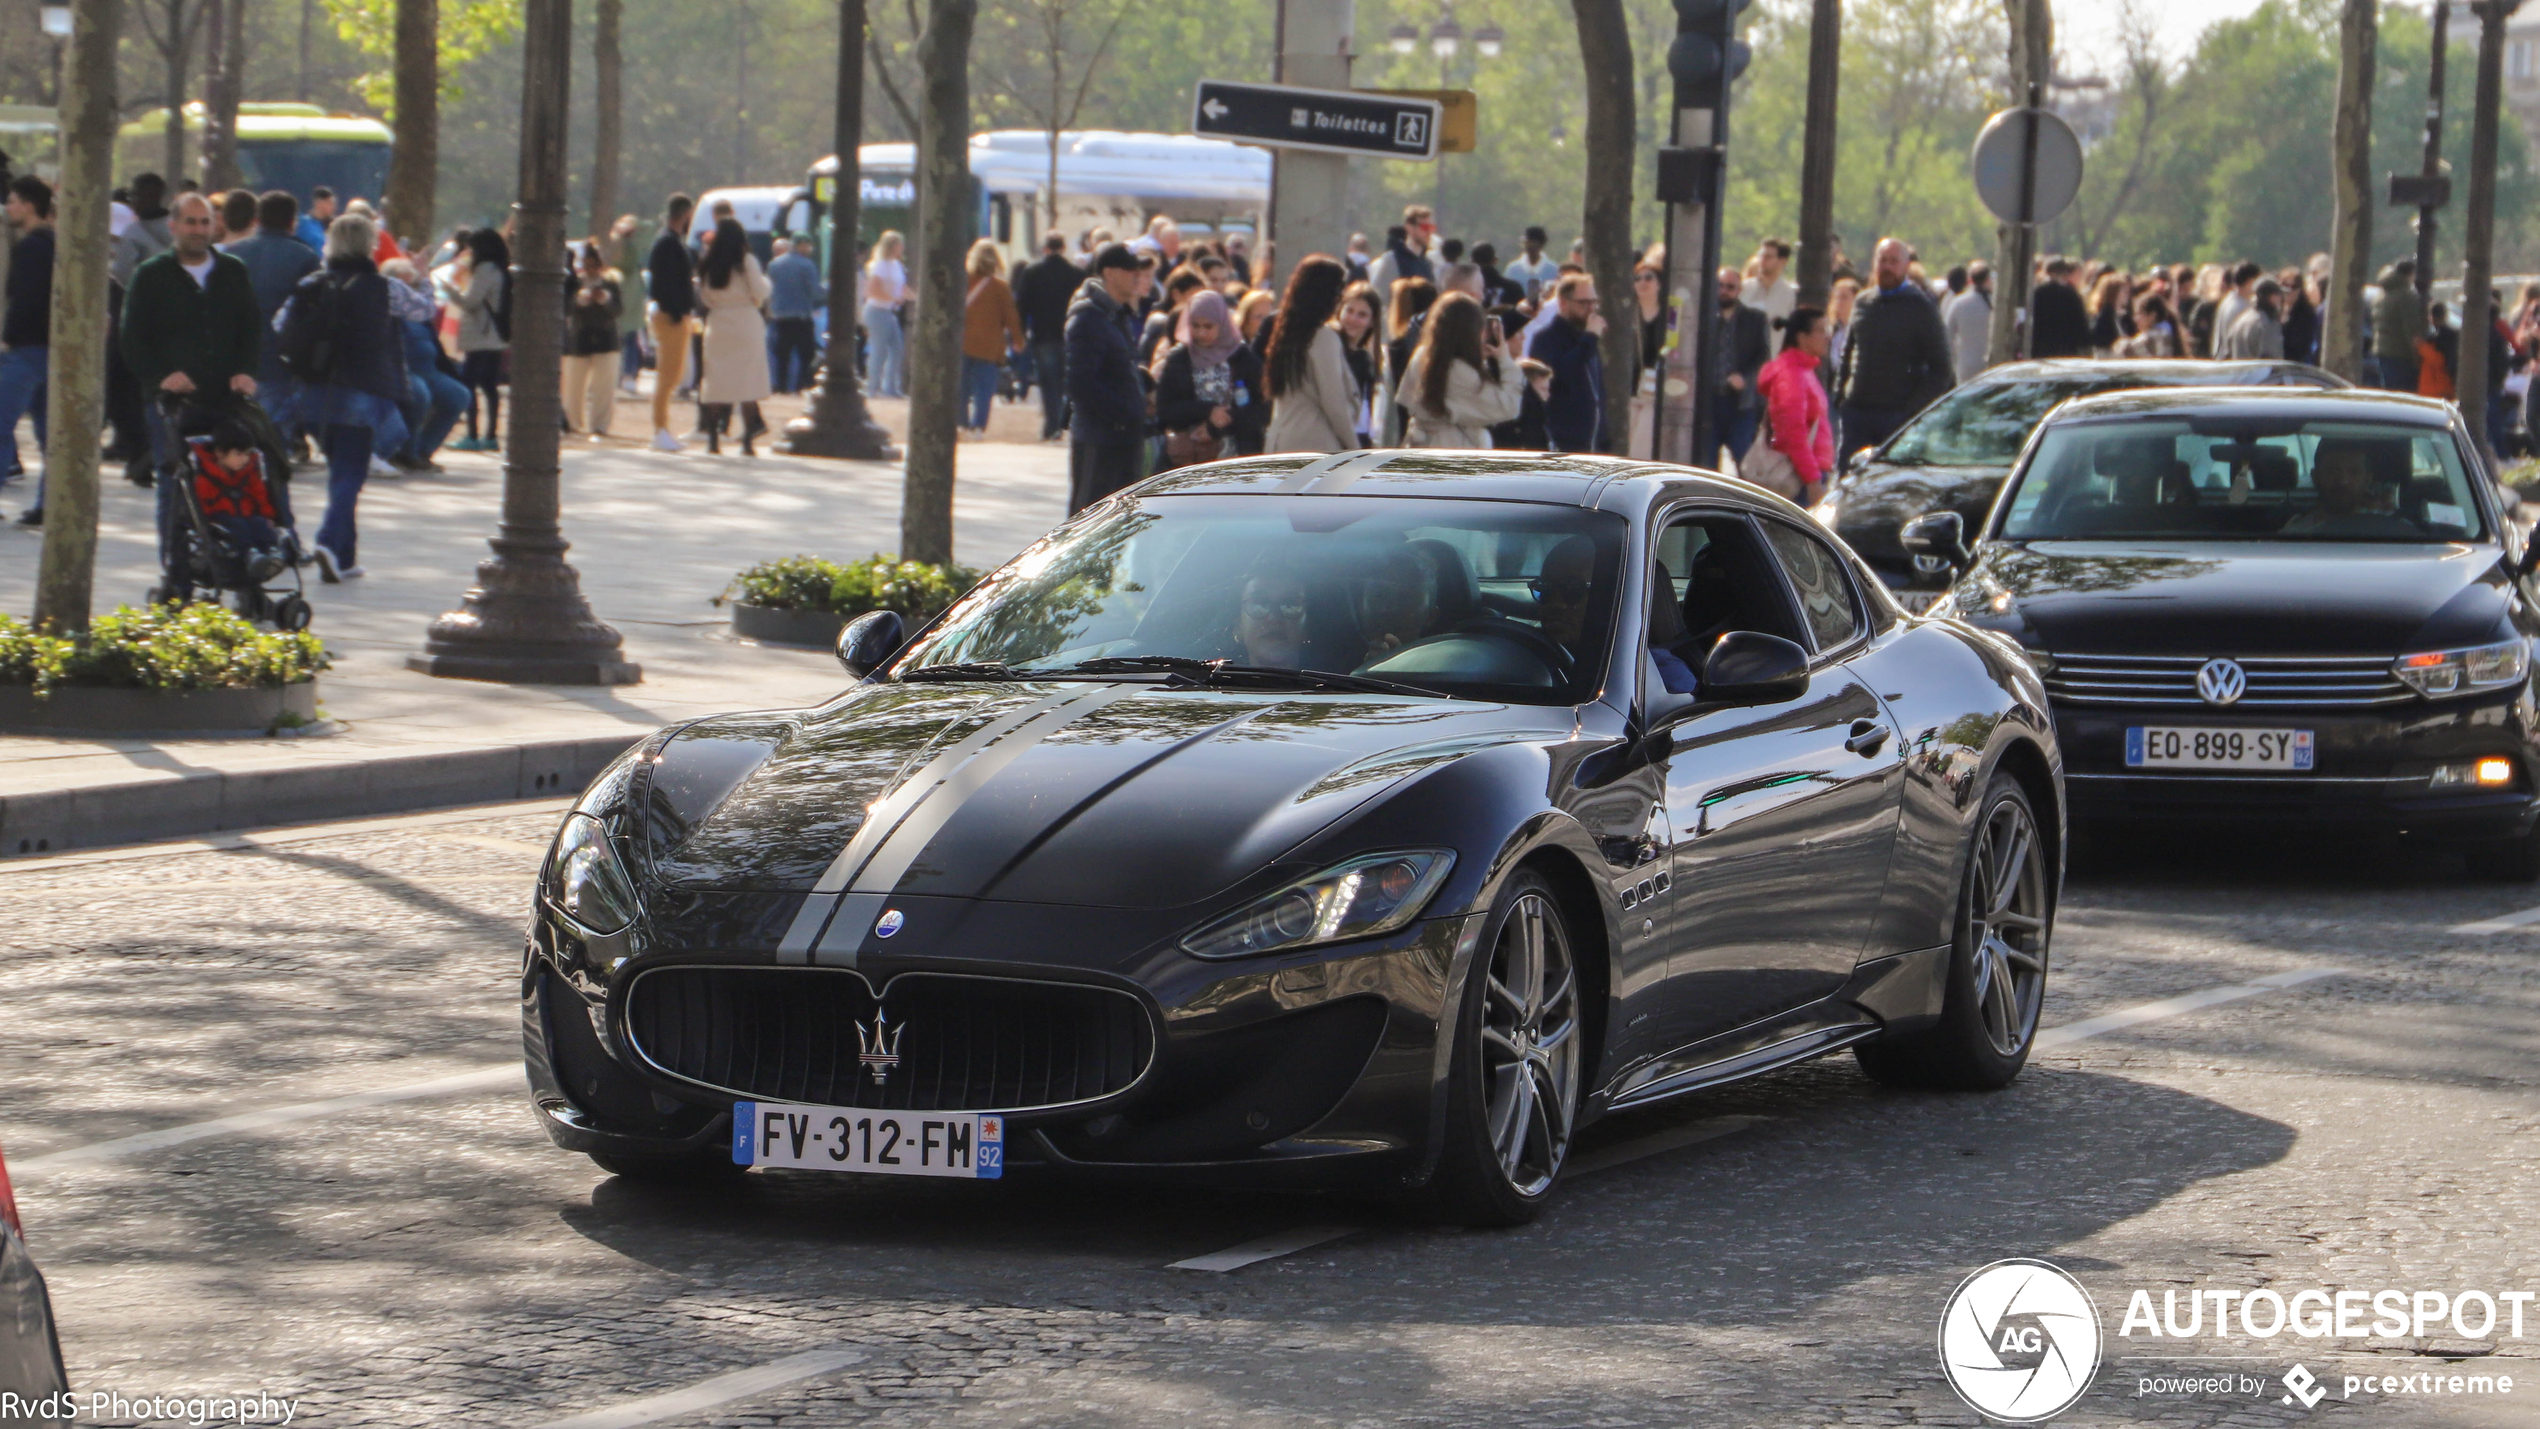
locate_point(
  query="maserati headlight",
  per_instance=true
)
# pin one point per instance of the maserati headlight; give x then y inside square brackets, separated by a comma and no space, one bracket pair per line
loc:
[584,877]
[1357,899]
[2451,672]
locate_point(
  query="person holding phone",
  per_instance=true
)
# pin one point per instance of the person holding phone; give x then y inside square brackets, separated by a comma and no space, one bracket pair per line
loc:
[1460,382]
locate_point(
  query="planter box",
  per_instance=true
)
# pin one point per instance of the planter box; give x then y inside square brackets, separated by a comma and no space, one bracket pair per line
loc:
[814,629]
[88,710]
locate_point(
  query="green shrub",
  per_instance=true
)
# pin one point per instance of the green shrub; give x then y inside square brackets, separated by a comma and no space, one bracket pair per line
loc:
[913,588]
[192,647]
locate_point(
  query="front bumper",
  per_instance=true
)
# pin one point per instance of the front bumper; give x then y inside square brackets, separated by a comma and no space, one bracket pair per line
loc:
[2373,770]
[1321,1067]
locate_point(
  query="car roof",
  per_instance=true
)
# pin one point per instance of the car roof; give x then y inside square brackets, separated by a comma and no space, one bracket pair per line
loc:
[2279,403]
[2158,371]
[1559,478]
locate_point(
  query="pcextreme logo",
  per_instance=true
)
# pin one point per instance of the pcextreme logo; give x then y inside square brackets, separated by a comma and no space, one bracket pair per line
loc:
[2019,1341]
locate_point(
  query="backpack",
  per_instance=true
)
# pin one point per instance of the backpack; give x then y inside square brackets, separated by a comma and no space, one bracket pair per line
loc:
[307,347]
[500,310]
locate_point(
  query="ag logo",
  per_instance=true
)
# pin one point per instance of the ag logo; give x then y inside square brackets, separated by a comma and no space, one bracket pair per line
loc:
[2020,1341]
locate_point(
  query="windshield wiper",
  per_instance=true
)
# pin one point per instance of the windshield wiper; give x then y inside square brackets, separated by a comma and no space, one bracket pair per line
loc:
[966,670]
[1207,672]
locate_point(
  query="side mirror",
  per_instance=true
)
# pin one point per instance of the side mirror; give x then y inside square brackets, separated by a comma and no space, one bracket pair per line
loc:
[1749,668]
[870,640]
[1941,535]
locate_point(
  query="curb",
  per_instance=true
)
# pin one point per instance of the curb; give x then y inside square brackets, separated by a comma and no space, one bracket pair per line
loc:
[210,801]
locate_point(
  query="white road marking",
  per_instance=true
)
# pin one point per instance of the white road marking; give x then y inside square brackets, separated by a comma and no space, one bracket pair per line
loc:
[2123,1018]
[1623,1153]
[294,834]
[706,1394]
[484,1079]
[1269,1247]
[2502,922]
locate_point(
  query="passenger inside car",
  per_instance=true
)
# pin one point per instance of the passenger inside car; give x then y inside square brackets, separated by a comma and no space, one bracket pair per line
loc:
[1399,603]
[1269,628]
[2352,500]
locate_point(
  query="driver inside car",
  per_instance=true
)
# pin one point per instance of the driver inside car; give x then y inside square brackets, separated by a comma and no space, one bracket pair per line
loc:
[2351,501]
[1269,626]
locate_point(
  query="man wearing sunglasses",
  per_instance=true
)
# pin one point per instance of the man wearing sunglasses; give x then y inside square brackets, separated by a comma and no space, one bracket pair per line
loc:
[1575,412]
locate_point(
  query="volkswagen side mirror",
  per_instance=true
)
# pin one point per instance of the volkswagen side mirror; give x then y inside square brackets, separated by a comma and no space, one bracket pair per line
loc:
[870,640]
[1941,535]
[1749,668]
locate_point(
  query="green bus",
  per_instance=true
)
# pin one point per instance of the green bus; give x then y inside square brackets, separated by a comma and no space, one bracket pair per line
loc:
[292,147]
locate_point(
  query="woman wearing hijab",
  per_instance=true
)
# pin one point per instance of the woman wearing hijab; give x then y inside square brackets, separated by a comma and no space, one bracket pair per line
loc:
[1208,392]
[731,289]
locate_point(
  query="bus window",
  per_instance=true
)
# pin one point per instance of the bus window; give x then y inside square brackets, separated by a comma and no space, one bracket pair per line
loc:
[1005,220]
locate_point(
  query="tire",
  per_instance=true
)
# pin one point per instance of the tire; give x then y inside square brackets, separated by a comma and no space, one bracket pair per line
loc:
[290,612]
[1513,1082]
[697,1170]
[2507,860]
[1997,961]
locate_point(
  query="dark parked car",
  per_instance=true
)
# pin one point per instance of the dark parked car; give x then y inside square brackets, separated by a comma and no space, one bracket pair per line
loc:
[2291,607]
[1954,456]
[31,1375]
[1331,819]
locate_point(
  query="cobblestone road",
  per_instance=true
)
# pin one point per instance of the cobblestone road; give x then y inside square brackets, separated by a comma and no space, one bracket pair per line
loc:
[434,1261]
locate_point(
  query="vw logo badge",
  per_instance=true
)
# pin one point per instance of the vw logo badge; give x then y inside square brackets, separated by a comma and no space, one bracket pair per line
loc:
[2222,682]
[888,923]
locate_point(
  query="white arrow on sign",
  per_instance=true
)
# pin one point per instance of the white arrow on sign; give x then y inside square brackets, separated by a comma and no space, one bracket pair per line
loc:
[1214,109]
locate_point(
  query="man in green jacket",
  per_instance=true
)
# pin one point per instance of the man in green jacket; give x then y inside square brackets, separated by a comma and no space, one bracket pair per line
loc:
[189,326]
[2398,320]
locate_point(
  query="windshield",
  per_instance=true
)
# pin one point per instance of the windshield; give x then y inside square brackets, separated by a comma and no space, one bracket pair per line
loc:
[2240,479]
[1986,423]
[1475,599]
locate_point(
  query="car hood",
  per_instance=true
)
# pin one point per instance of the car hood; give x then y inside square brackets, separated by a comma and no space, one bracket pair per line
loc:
[1878,499]
[2210,597]
[1093,794]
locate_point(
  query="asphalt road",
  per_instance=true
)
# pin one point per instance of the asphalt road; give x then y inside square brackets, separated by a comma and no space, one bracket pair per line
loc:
[1774,1254]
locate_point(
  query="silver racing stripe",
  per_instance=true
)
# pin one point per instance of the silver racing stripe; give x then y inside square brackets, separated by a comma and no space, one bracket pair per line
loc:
[1338,466]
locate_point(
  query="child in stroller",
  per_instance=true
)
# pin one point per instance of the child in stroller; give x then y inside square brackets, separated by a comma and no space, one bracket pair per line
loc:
[232,529]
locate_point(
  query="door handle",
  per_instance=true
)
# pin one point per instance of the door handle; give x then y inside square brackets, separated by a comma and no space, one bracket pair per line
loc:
[1866,737]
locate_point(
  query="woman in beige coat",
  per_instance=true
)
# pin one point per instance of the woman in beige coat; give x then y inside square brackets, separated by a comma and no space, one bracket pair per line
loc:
[731,289]
[1461,382]
[1314,400]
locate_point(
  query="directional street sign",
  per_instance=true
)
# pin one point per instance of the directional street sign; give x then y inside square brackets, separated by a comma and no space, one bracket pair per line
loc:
[1328,121]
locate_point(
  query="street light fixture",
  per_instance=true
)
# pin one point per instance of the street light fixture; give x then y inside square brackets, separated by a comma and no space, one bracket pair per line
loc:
[1403,39]
[1444,38]
[1488,39]
[57,21]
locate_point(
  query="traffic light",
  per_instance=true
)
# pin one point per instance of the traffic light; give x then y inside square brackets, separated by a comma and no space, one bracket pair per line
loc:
[1704,59]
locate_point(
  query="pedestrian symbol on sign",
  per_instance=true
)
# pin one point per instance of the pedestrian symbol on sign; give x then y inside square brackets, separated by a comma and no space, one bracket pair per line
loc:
[1297,119]
[1411,131]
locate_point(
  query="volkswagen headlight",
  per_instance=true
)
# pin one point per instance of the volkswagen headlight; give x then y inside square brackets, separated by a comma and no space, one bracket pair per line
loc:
[1358,899]
[584,877]
[2452,672]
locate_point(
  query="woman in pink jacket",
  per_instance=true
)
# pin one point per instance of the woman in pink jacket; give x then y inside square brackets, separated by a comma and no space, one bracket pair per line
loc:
[1795,402]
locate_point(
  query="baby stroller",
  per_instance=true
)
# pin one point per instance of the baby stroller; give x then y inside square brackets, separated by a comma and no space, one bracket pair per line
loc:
[202,555]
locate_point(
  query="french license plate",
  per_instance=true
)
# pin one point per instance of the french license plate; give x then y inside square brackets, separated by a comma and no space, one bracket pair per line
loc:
[2158,747]
[883,1143]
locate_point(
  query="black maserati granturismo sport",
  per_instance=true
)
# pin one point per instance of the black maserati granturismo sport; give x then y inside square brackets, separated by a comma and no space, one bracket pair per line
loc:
[1954,456]
[2297,609]
[1376,819]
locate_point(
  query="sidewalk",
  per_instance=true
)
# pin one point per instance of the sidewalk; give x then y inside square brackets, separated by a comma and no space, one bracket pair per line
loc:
[655,537]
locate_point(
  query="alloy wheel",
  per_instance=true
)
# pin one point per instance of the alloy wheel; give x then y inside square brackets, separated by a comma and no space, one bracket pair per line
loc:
[2009,926]
[1530,1045]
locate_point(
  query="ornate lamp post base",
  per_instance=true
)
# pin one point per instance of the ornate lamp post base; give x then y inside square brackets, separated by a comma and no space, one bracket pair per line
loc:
[850,433]
[525,622]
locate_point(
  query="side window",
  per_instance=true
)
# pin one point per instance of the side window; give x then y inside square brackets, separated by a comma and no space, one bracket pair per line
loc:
[1824,589]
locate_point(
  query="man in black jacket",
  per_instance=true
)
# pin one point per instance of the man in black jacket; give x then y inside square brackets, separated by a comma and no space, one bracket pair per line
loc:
[1746,344]
[1897,361]
[1044,293]
[670,273]
[1108,428]
[2059,326]
[26,327]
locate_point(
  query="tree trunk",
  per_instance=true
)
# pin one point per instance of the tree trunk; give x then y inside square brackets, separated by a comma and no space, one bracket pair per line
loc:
[608,119]
[66,575]
[178,53]
[2478,238]
[416,159]
[2350,234]
[2032,61]
[224,68]
[1605,222]
[1817,150]
[943,232]
[838,423]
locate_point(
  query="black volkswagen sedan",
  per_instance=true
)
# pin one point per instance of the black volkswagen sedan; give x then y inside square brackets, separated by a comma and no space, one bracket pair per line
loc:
[1379,818]
[1954,456]
[2270,606]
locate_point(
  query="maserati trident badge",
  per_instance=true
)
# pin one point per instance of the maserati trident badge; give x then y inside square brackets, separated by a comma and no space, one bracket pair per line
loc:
[881,1044]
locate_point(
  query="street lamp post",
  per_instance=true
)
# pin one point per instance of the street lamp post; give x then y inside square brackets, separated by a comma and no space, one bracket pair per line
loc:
[837,423]
[525,621]
[56,17]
